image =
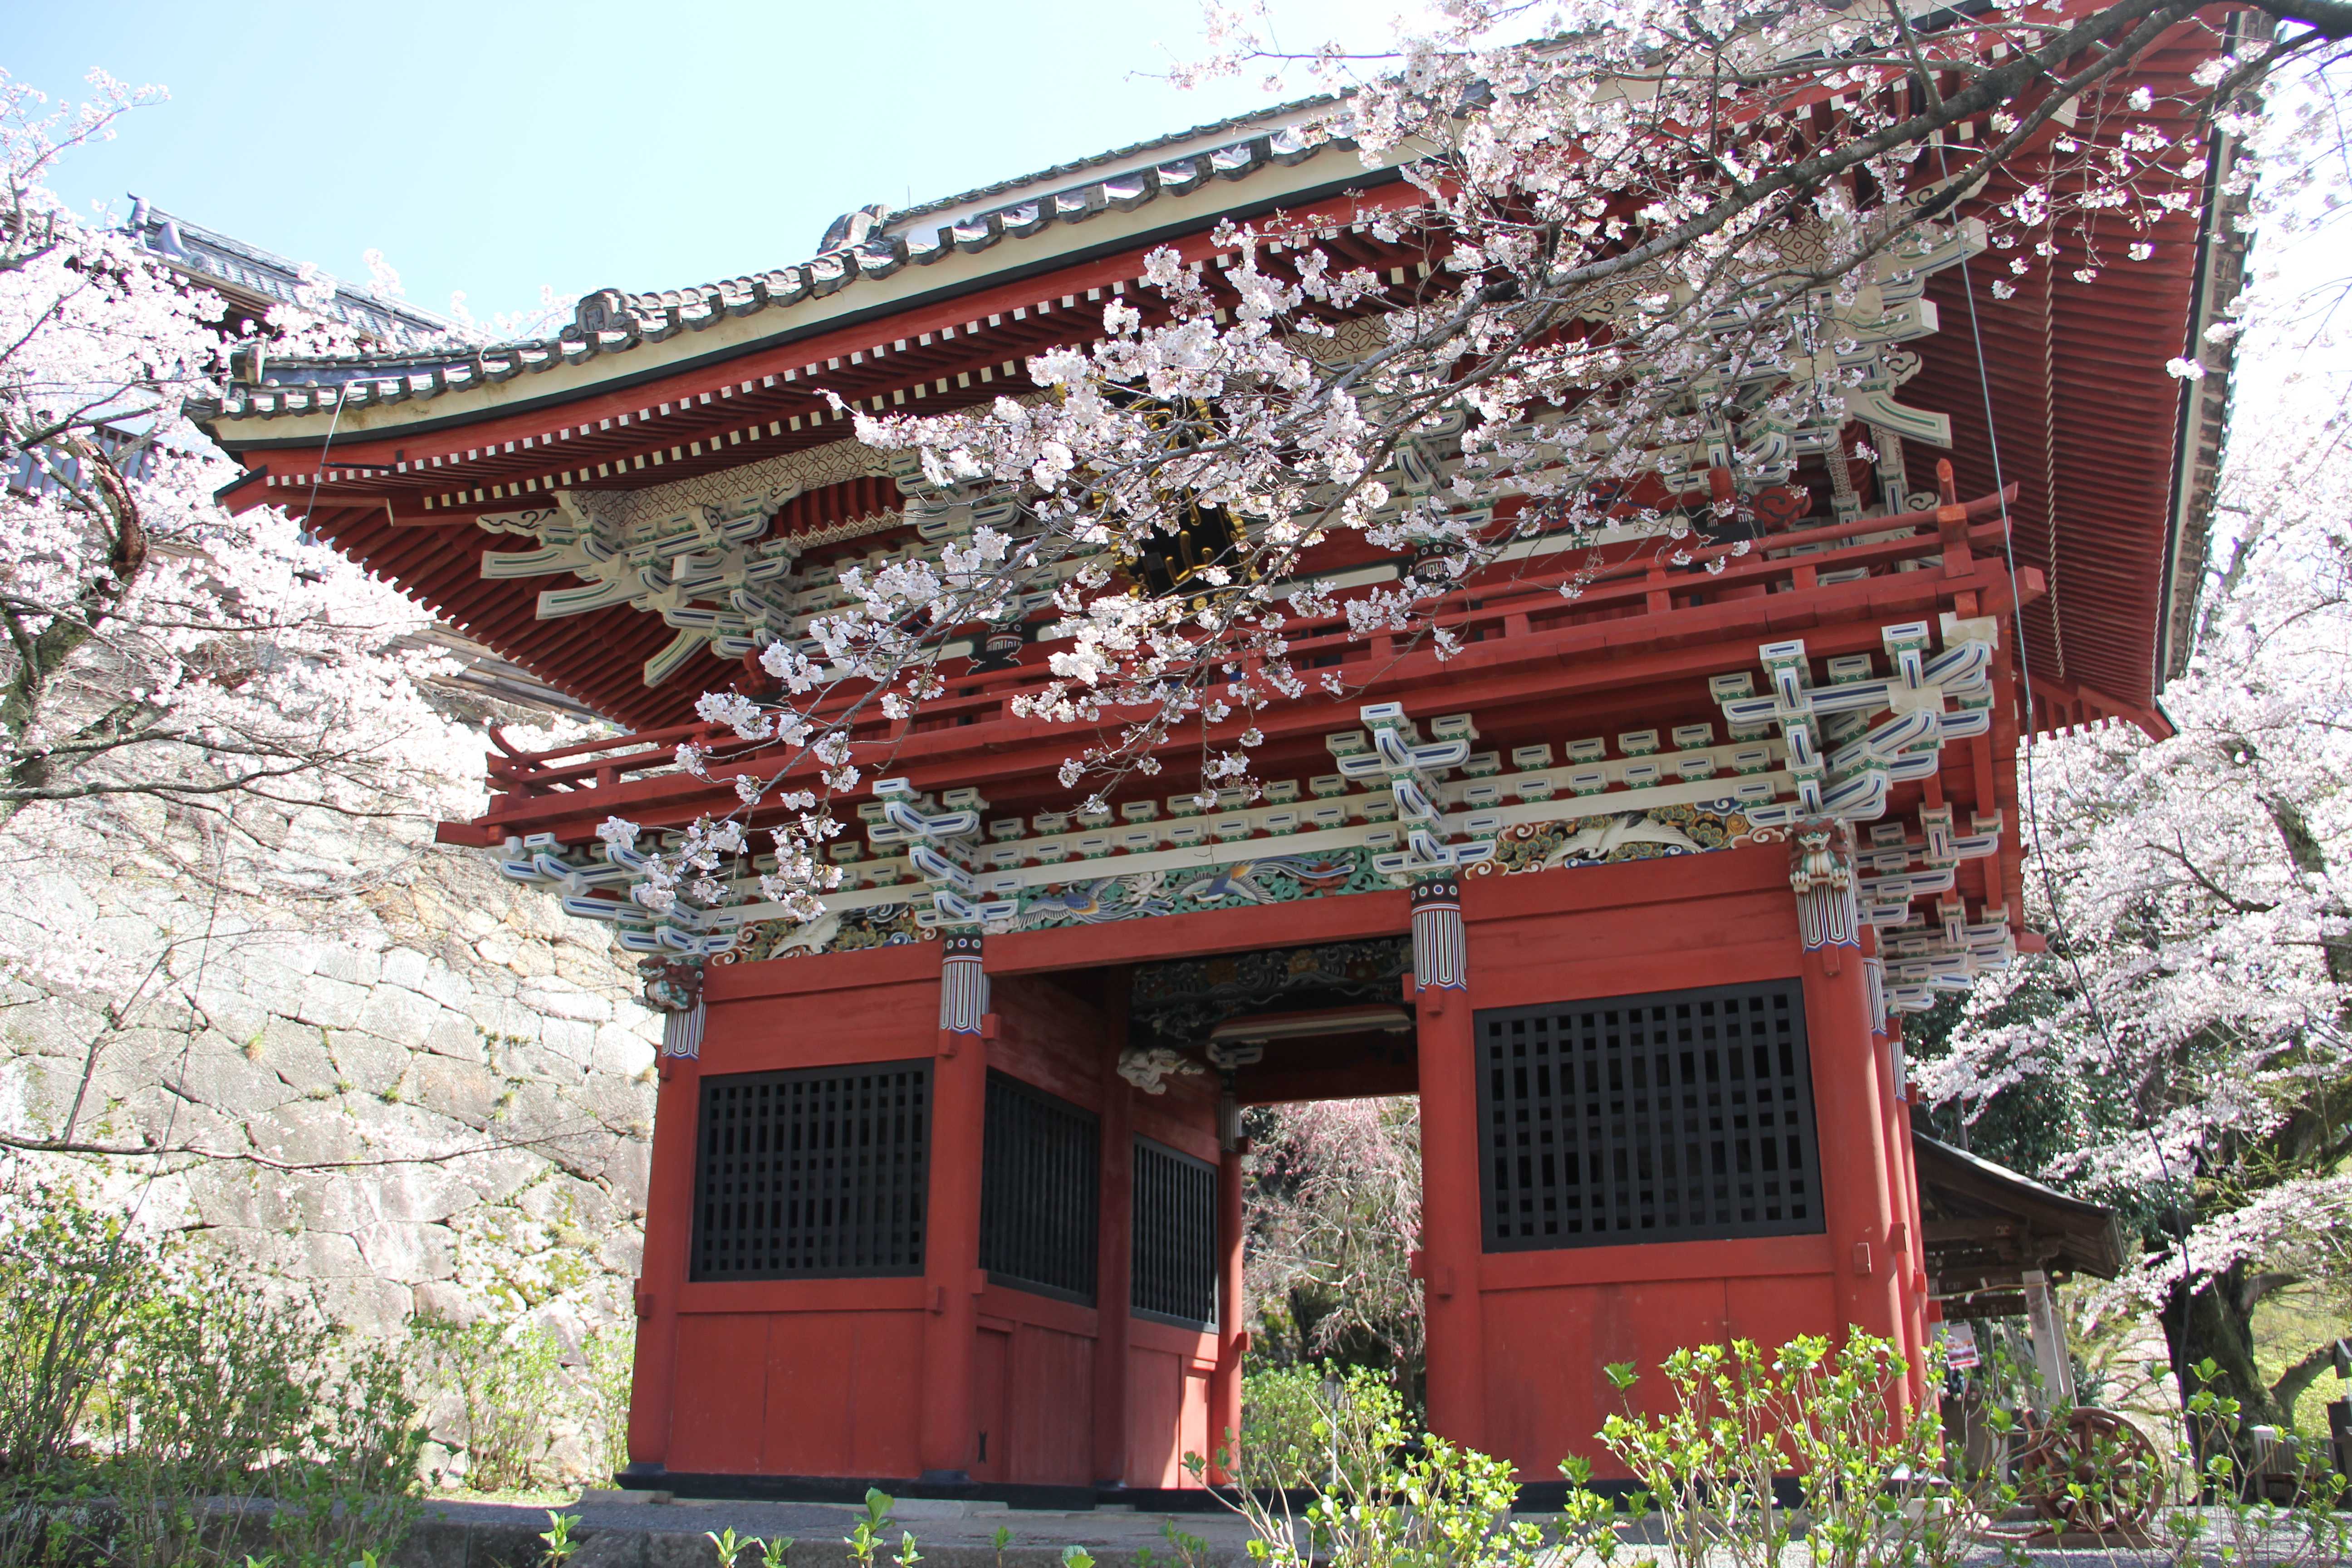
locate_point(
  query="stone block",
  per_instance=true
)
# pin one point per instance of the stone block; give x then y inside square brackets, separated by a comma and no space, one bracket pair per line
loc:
[562,1001]
[456,1036]
[310,1131]
[329,1255]
[272,950]
[441,1298]
[502,1016]
[445,984]
[612,1549]
[628,1168]
[463,1091]
[236,1014]
[425,1194]
[596,968]
[373,1306]
[403,966]
[239,1198]
[621,1051]
[570,1040]
[330,1002]
[408,1253]
[369,1063]
[673,1549]
[297,1053]
[219,1075]
[351,961]
[622,1104]
[621,1249]
[399,1014]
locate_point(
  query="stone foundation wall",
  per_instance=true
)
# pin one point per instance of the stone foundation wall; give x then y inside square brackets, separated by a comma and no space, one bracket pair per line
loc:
[431,1093]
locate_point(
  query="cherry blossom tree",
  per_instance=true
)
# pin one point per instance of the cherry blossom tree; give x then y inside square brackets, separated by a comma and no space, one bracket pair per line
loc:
[1654,242]
[1335,1211]
[2200,899]
[185,693]
[156,646]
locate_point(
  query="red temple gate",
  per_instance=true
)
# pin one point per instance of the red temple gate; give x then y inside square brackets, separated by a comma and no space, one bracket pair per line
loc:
[1632,891]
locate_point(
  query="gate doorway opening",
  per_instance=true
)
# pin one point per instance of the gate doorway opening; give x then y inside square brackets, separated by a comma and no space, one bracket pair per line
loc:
[1318,1051]
[1111,1330]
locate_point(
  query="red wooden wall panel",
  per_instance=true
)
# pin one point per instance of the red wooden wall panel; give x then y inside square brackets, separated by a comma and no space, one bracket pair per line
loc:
[1166,1401]
[843,1393]
[1048,1038]
[1155,1404]
[865,1024]
[1772,1311]
[991,1412]
[1052,1408]
[721,1395]
[1193,1435]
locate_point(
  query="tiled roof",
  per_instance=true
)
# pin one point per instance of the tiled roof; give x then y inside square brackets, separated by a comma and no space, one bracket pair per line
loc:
[236,267]
[1256,119]
[610,322]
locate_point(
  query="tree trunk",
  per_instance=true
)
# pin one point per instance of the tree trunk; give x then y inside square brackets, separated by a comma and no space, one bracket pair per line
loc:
[2212,1318]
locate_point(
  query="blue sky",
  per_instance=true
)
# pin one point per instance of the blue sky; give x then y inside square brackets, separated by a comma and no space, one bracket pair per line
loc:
[500,145]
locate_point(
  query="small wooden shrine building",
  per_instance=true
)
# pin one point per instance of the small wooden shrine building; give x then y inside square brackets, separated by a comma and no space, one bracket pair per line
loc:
[1632,893]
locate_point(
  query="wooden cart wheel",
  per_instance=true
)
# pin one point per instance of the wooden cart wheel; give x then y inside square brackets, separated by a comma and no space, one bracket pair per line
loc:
[2094,1473]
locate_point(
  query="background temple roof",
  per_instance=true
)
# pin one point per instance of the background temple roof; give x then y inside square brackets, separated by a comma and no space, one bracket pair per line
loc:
[259,280]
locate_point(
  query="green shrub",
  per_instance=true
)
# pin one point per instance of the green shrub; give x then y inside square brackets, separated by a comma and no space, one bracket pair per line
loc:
[611,1359]
[1300,1422]
[71,1286]
[197,1397]
[1737,1417]
[505,1379]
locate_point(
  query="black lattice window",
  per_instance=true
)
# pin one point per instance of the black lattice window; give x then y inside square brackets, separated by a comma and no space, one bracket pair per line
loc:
[1039,1183]
[1175,1231]
[812,1173]
[1683,1116]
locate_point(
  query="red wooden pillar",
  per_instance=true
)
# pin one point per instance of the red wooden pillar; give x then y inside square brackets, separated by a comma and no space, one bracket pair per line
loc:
[670,1229]
[1911,1257]
[1115,1261]
[951,1278]
[1452,1234]
[1858,1198]
[1232,1332]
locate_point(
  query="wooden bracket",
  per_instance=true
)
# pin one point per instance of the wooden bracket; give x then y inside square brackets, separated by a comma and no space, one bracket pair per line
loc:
[1861,1259]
